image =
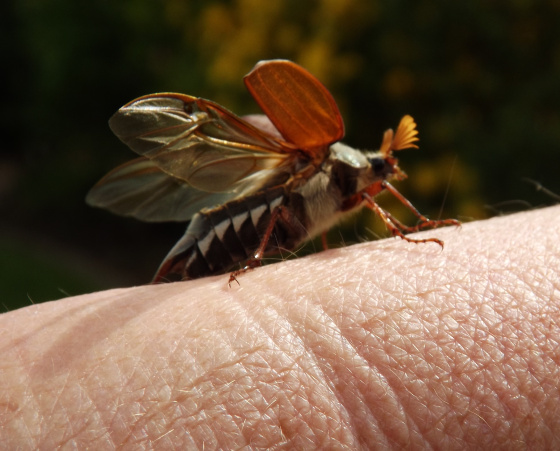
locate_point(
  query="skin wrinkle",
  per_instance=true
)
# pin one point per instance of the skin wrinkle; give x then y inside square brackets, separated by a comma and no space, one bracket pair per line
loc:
[147,417]
[347,365]
[261,366]
[21,395]
[391,351]
[214,412]
[72,344]
[127,372]
[319,362]
[291,337]
[385,338]
[211,382]
[58,411]
[250,401]
[152,426]
[515,327]
[106,411]
[460,378]
[484,361]
[331,370]
[182,396]
[399,350]
[129,413]
[523,355]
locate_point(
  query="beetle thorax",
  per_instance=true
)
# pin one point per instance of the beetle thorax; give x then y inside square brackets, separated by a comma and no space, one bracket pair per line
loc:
[354,170]
[344,173]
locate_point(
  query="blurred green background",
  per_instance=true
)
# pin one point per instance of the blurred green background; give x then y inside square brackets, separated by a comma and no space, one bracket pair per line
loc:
[482,80]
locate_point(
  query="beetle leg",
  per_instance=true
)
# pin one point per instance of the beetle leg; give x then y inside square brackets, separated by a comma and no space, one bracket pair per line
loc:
[280,212]
[424,222]
[397,228]
[324,241]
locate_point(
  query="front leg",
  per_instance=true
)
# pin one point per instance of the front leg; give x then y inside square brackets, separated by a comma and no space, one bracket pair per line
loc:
[424,222]
[397,228]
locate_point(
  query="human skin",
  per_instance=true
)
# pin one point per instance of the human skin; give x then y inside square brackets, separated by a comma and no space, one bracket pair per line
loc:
[381,345]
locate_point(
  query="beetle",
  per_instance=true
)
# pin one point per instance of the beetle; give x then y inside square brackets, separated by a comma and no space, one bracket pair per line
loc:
[250,186]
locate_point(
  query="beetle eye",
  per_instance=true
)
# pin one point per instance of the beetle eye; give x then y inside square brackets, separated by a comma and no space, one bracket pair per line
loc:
[377,164]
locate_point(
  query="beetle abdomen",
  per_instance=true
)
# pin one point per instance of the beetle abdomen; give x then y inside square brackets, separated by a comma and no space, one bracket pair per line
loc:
[218,239]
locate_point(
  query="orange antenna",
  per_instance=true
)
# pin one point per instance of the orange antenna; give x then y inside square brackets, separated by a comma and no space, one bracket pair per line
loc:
[406,134]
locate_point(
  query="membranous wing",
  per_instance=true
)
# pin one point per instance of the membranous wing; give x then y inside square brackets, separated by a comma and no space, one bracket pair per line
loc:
[196,140]
[196,154]
[142,190]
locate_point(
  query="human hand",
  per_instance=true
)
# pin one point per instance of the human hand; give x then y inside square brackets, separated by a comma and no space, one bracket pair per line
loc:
[380,345]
